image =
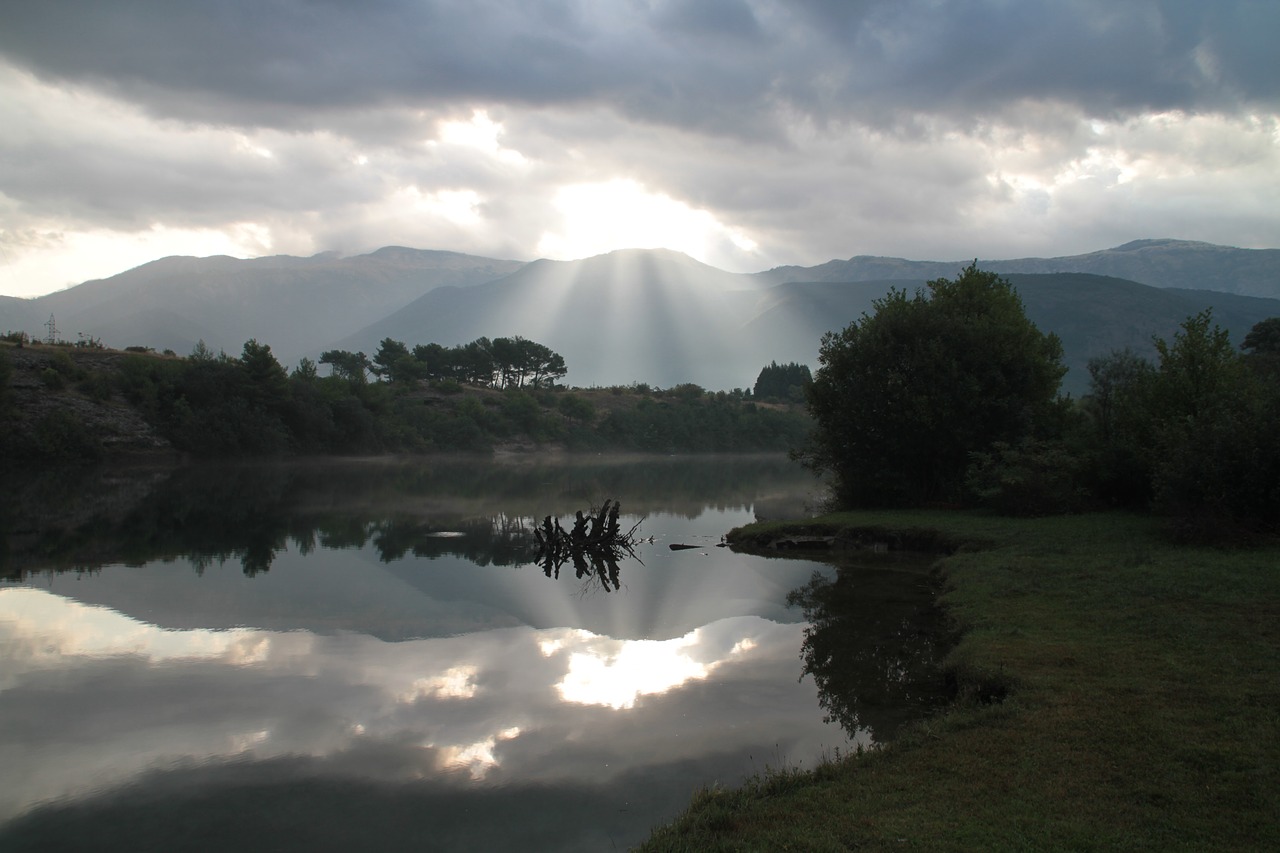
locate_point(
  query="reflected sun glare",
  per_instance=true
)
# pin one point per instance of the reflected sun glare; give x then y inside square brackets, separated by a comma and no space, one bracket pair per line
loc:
[615,673]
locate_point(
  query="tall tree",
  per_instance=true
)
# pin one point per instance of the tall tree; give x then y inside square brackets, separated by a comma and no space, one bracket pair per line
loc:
[539,366]
[507,362]
[904,395]
[394,363]
[1263,338]
[1119,428]
[474,362]
[1216,463]
[435,361]
[352,366]
[1262,349]
[782,381]
[267,378]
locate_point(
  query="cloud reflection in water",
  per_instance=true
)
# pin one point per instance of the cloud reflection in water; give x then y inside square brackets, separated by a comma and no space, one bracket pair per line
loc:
[90,698]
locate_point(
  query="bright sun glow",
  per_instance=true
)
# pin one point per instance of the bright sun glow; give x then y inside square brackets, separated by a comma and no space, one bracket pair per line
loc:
[481,133]
[600,217]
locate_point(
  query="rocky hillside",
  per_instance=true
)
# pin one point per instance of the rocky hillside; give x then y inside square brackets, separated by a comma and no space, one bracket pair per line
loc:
[55,402]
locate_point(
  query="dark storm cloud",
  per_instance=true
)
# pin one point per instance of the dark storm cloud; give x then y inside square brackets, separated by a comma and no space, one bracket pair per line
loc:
[708,18]
[711,65]
[298,55]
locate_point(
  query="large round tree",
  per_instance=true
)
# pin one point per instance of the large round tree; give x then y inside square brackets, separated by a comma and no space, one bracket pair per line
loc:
[904,395]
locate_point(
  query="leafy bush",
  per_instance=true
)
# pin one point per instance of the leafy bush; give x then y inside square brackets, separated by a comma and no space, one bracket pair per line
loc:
[1030,478]
[448,386]
[1194,435]
[60,436]
[64,364]
[52,379]
[96,385]
[1216,460]
[577,408]
[521,411]
[904,395]
[1116,445]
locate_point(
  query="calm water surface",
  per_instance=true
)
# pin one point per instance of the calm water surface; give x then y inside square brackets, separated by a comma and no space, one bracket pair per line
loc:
[366,655]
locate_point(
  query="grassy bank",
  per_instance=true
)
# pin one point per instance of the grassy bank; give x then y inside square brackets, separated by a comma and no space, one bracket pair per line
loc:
[1142,712]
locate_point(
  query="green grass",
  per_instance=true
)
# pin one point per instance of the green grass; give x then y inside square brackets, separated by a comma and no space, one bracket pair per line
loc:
[1142,713]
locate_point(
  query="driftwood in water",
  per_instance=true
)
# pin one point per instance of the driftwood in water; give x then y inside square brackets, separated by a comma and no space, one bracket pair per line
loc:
[594,544]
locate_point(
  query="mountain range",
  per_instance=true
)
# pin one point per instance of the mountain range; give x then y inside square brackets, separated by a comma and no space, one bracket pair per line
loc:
[653,316]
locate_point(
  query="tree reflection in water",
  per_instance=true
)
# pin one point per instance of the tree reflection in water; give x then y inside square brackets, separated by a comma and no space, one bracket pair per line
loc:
[875,644]
[77,521]
[596,537]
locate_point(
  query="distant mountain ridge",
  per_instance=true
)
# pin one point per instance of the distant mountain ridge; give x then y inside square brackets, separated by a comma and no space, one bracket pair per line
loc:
[288,302]
[654,316]
[1183,264]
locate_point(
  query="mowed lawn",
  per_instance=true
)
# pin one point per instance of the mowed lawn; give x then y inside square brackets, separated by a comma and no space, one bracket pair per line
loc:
[1141,707]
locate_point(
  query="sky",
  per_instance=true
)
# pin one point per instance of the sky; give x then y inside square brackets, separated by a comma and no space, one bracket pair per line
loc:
[746,133]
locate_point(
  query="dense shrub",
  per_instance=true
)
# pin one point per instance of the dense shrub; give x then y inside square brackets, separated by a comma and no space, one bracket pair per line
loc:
[577,408]
[1193,436]
[903,396]
[62,437]
[1031,478]
[53,379]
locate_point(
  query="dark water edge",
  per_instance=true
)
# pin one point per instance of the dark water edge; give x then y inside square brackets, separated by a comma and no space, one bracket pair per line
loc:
[876,641]
[244,809]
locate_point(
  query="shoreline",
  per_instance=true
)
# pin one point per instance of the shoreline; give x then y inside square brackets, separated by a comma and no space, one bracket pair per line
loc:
[1114,690]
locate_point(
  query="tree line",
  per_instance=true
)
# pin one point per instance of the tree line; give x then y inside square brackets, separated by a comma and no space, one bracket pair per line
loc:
[498,363]
[950,397]
[423,399]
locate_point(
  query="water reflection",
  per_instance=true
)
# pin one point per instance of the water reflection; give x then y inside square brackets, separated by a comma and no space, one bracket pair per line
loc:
[101,711]
[875,642]
[251,513]
[368,655]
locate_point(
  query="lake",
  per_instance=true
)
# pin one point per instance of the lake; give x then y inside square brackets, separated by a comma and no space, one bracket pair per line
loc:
[367,655]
